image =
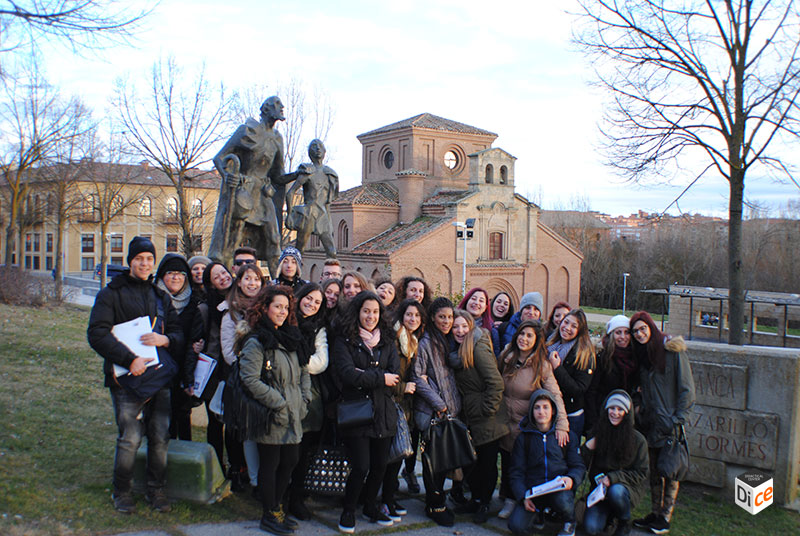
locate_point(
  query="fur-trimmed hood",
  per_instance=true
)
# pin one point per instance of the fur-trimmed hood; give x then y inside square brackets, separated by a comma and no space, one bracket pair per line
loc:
[675,344]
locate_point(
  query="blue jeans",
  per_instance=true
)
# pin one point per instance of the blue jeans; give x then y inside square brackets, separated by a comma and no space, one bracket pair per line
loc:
[561,502]
[616,504]
[134,417]
[576,424]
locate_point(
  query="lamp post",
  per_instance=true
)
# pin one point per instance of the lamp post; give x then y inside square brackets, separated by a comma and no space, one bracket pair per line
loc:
[464,233]
[624,289]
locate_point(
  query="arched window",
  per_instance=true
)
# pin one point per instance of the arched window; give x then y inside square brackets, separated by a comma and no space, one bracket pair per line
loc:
[503,174]
[90,210]
[343,237]
[145,207]
[489,174]
[495,246]
[197,208]
[172,208]
[314,243]
[117,204]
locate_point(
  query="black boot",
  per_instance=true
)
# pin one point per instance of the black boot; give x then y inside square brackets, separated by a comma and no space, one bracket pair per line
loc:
[270,522]
[438,511]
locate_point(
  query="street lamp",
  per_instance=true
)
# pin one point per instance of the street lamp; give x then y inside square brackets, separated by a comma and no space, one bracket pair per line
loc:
[464,233]
[624,289]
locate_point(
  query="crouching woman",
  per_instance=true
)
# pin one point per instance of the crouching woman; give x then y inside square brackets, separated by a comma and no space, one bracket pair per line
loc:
[270,370]
[617,454]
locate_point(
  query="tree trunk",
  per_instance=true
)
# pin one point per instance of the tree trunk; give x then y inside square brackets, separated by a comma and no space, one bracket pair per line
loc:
[59,277]
[103,258]
[735,272]
[10,232]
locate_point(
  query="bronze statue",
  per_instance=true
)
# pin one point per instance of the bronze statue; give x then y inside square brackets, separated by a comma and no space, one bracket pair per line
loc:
[251,193]
[320,187]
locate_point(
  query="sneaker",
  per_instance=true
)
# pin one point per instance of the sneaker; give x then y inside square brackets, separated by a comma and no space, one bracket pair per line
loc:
[568,529]
[481,516]
[158,500]
[123,502]
[394,516]
[442,515]
[270,523]
[411,481]
[644,522]
[623,528]
[508,507]
[399,508]
[659,526]
[347,523]
[299,510]
[374,515]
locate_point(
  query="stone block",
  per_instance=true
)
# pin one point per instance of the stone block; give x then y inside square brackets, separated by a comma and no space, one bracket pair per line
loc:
[720,385]
[708,472]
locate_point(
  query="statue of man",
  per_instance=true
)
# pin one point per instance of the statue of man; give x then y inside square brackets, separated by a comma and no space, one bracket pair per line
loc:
[251,166]
[320,187]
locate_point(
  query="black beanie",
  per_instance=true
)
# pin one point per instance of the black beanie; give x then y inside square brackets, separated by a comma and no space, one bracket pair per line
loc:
[138,245]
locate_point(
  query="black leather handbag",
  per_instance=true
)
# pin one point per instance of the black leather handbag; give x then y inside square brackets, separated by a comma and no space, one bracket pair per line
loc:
[354,413]
[448,445]
[673,459]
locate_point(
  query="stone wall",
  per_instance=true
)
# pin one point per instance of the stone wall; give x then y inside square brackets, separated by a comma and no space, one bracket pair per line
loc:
[746,416]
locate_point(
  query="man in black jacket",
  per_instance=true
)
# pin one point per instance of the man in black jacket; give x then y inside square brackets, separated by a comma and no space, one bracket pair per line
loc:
[128,296]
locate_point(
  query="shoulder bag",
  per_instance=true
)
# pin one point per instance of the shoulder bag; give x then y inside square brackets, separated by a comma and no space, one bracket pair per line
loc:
[673,458]
[244,415]
[448,445]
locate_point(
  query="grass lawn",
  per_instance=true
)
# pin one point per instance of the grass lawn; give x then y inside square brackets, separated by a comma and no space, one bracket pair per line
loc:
[57,445]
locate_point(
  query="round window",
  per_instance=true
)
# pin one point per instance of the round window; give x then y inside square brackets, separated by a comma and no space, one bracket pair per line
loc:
[450,160]
[388,159]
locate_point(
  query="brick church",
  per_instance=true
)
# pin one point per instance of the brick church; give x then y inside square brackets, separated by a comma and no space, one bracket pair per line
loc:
[418,177]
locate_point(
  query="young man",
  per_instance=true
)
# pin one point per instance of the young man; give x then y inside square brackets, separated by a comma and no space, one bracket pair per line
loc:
[537,459]
[332,269]
[128,296]
[243,255]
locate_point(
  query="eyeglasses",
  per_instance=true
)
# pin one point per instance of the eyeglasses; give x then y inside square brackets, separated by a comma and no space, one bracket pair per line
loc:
[239,262]
[176,274]
[642,329]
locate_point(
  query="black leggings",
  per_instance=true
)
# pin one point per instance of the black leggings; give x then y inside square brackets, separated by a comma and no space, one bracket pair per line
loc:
[434,487]
[368,457]
[505,475]
[275,467]
[411,461]
[308,446]
[482,475]
[390,481]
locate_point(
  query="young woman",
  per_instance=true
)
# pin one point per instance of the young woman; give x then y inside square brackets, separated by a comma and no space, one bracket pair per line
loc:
[353,283]
[501,308]
[275,344]
[558,313]
[311,321]
[436,396]
[481,388]
[415,288]
[619,452]
[197,265]
[367,365]
[476,303]
[667,397]
[573,360]
[241,297]
[408,327]
[525,368]
[289,266]
[616,369]
[385,290]
[173,277]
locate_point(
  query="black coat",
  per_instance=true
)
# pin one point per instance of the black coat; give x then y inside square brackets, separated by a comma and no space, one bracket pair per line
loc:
[572,381]
[126,298]
[607,377]
[360,372]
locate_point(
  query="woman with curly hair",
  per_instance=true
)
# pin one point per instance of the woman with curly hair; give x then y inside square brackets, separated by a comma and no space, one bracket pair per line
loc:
[415,288]
[501,308]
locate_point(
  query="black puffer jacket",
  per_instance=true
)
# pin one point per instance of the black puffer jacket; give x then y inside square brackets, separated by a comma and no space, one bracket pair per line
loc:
[358,374]
[126,298]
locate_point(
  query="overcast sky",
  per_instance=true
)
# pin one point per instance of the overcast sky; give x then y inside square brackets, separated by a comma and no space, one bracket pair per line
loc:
[507,67]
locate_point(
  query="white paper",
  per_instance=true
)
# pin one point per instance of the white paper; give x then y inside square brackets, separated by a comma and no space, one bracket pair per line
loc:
[216,405]
[557,484]
[129,333]
[597,495]
[202,372]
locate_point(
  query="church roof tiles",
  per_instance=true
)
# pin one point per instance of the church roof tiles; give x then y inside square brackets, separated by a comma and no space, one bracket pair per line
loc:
[400,235]
[431,122]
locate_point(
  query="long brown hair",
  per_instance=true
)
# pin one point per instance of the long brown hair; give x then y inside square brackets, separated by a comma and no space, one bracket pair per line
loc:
[511,355]
[237,301]
[264,299]
[654,348]
[585,357]
[465,349]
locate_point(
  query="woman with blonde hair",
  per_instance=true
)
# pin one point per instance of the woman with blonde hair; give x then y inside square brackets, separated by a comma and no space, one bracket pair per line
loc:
[525,368]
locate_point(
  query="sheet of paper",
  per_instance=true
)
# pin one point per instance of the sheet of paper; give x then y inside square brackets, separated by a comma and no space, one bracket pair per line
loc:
[202,372]
[128,333]
[597,495]
[552,486]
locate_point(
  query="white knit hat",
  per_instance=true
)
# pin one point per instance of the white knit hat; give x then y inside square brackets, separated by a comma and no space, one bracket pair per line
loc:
[619,321]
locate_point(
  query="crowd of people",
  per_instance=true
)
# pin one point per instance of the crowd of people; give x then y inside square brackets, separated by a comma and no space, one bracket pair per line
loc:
[533,389]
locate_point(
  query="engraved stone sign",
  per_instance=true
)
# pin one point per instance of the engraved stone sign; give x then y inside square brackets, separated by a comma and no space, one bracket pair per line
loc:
[723,386]
[708,472]
[742,437]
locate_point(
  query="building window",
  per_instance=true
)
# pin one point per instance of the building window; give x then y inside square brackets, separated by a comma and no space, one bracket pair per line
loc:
[116,260]
[197,243]
[388,159]
[49,243]
[495,246]
[36,242]
[172,208]
[28,242]
[343,238]
[28,262]
[503,174]
[197,208]
[50,205]
[117,204]
[87,243]
[450,160]
[172,242]
[145,207]
[87,264]
[89,211]
[37,264]
[489,174]
[116,243]
[314,242]
[48,263]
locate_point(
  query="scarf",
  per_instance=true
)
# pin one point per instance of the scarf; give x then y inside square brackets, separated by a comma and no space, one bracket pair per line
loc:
[370,338]
[179,300]
[623,358]
[309,326]
[562,348]
[287,336]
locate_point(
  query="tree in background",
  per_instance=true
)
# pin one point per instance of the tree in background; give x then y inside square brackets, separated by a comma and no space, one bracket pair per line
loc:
[693,81]
[174,124]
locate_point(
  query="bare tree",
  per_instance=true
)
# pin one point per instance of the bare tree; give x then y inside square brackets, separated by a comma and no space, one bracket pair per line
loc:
[696,81]
[34,119]
[174,125]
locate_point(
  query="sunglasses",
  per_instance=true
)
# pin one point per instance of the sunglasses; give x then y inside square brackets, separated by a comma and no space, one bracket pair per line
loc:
[239,262]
